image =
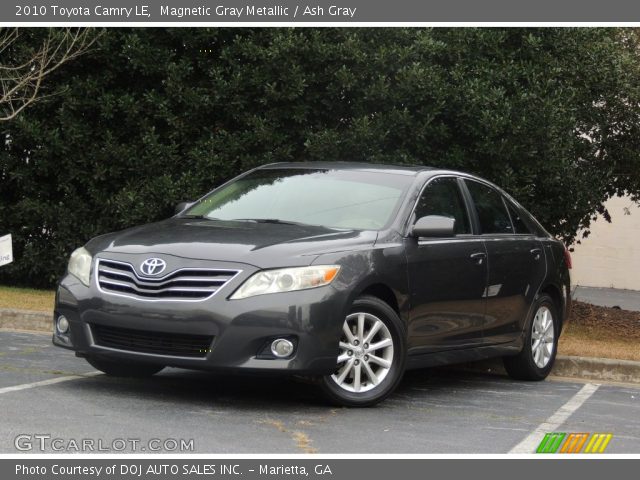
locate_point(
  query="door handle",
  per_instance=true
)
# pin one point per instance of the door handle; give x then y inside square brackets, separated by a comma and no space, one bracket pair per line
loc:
[536,253]
[478,257]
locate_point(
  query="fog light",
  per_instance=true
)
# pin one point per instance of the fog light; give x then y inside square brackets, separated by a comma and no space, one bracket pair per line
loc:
[62,324]
[282,348]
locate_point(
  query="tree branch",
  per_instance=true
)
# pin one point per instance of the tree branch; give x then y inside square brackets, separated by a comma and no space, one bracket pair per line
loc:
[24,68]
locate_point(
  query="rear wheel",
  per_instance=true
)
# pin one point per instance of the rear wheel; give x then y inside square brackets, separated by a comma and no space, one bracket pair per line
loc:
[122,369]
[536,359]
[372,355]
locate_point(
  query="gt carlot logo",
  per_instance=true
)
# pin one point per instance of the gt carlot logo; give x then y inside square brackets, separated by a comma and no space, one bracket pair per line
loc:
[44,442]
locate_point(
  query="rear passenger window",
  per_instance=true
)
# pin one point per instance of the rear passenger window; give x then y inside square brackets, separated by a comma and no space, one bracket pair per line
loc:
[516,219]
[491,210]
[442,196]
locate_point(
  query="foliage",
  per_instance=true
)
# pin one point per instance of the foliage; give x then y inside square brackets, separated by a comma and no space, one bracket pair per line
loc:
[151,117]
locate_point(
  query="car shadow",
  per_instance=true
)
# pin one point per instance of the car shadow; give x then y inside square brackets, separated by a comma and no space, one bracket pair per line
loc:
[253,392]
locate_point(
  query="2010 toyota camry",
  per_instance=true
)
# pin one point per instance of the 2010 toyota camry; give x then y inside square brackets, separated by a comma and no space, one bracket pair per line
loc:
[347,273]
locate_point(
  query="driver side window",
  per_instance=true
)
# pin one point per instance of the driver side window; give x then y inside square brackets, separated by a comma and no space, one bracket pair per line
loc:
[443,197]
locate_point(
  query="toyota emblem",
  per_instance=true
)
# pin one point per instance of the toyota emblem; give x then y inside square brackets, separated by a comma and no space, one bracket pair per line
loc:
[153,266]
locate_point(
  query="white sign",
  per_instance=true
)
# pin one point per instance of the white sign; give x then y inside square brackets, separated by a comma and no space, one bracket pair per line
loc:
[6,250]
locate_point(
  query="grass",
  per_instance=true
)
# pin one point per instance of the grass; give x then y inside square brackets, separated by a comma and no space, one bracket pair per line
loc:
[577,341]
[592,332]
[27,299]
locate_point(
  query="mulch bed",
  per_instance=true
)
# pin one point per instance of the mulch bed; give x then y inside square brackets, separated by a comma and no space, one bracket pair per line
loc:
[616,322]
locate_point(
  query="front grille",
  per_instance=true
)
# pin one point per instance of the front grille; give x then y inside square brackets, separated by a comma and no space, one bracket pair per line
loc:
[185,284]
[159,343]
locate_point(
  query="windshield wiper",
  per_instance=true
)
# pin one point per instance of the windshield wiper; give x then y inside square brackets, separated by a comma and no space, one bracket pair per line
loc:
[268,220]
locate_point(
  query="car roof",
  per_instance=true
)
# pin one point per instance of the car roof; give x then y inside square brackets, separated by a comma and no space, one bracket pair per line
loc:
[411,170]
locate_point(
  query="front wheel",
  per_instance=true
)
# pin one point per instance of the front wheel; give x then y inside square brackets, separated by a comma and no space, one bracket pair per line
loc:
[536,359]
[122,369]
[372,355]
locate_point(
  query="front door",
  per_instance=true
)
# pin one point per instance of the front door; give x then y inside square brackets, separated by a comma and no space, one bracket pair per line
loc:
[447,276]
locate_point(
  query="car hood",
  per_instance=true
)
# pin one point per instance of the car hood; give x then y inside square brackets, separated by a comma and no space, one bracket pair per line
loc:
[264,245]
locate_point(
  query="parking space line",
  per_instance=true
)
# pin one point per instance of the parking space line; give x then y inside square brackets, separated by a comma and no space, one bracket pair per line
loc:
[51,381]
[529,444]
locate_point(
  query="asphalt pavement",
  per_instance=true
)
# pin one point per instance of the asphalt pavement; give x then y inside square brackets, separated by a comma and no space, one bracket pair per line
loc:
[608,297]
[48,394]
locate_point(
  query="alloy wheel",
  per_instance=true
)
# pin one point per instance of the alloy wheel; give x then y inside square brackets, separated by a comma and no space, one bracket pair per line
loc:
[542,337]
[365,355]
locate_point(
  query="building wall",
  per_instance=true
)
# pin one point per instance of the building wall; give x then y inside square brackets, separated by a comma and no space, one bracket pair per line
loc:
[610,256]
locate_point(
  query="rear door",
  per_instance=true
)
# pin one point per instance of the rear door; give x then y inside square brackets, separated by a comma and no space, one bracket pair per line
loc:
[447,276]
[516,263]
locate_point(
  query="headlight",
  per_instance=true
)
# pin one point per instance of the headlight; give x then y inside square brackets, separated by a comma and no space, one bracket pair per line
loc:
[80,265]
[286,280]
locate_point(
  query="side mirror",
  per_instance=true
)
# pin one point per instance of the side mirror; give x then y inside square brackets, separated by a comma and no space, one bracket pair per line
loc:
[182,206]
[434,226]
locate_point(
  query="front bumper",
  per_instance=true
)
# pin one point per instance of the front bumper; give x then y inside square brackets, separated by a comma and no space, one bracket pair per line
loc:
[240,329]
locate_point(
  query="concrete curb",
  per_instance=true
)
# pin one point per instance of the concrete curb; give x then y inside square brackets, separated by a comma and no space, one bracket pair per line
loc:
[604,369]
[591,368]
[586,368]
[26,319]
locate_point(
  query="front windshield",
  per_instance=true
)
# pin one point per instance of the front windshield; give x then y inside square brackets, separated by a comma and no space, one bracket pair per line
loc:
[350,199]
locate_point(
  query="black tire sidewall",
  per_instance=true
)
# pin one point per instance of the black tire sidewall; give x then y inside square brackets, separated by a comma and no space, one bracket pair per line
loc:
[386,314]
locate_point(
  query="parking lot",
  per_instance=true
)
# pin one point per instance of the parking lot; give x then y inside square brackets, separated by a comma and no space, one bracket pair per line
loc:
[46,390]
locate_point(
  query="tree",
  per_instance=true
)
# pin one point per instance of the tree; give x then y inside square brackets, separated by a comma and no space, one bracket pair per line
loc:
[151,117]
[25,65]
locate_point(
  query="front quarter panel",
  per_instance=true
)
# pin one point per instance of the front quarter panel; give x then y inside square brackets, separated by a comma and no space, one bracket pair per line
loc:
[382,266]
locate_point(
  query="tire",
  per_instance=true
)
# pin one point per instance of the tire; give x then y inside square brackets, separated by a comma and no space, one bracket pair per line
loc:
[122,369]
[342,387]
[535,364]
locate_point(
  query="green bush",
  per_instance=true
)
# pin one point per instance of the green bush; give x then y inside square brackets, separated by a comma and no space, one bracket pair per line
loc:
[155,116]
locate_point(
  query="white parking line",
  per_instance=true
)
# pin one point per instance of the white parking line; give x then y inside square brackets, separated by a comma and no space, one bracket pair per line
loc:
[529,444]
[51,381]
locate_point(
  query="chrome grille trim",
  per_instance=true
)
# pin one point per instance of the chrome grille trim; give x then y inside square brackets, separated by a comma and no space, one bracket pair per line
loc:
[187,284]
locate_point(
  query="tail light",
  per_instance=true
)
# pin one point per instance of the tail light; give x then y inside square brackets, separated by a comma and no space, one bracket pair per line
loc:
[567,258]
